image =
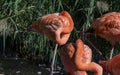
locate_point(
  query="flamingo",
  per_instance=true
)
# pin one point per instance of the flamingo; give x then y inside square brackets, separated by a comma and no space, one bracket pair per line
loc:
[111,66]
[76,58]
[107,27]
[57,27]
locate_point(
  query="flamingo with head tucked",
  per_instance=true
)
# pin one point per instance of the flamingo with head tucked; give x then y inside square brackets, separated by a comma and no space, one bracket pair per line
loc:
[57,27]
[111,66]
[76,58]
[108,27]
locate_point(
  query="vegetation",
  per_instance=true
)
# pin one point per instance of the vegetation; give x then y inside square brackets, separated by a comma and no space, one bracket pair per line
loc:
[17,15]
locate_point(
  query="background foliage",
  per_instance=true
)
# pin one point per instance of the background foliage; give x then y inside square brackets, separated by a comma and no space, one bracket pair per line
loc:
[17,15]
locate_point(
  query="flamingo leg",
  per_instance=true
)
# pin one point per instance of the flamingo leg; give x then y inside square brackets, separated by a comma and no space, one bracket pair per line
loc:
[112,49]
[53,60]
[111,52]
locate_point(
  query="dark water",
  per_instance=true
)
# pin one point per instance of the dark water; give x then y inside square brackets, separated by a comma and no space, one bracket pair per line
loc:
[12,66]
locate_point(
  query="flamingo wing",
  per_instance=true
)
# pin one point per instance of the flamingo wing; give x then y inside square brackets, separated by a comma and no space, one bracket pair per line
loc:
[108,26]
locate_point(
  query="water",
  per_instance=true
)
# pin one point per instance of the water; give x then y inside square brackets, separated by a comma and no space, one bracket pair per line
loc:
[12,66]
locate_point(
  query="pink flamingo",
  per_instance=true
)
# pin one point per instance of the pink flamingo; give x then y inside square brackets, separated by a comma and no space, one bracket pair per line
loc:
[56,26]
[111,66]
[108,27]
[76,58]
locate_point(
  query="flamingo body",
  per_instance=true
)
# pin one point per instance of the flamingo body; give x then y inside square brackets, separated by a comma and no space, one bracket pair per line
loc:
[56,26]
[107,27]
[76,55]
[112,66]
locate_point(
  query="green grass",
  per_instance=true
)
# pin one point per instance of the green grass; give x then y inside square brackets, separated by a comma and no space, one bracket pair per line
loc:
[19,15]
